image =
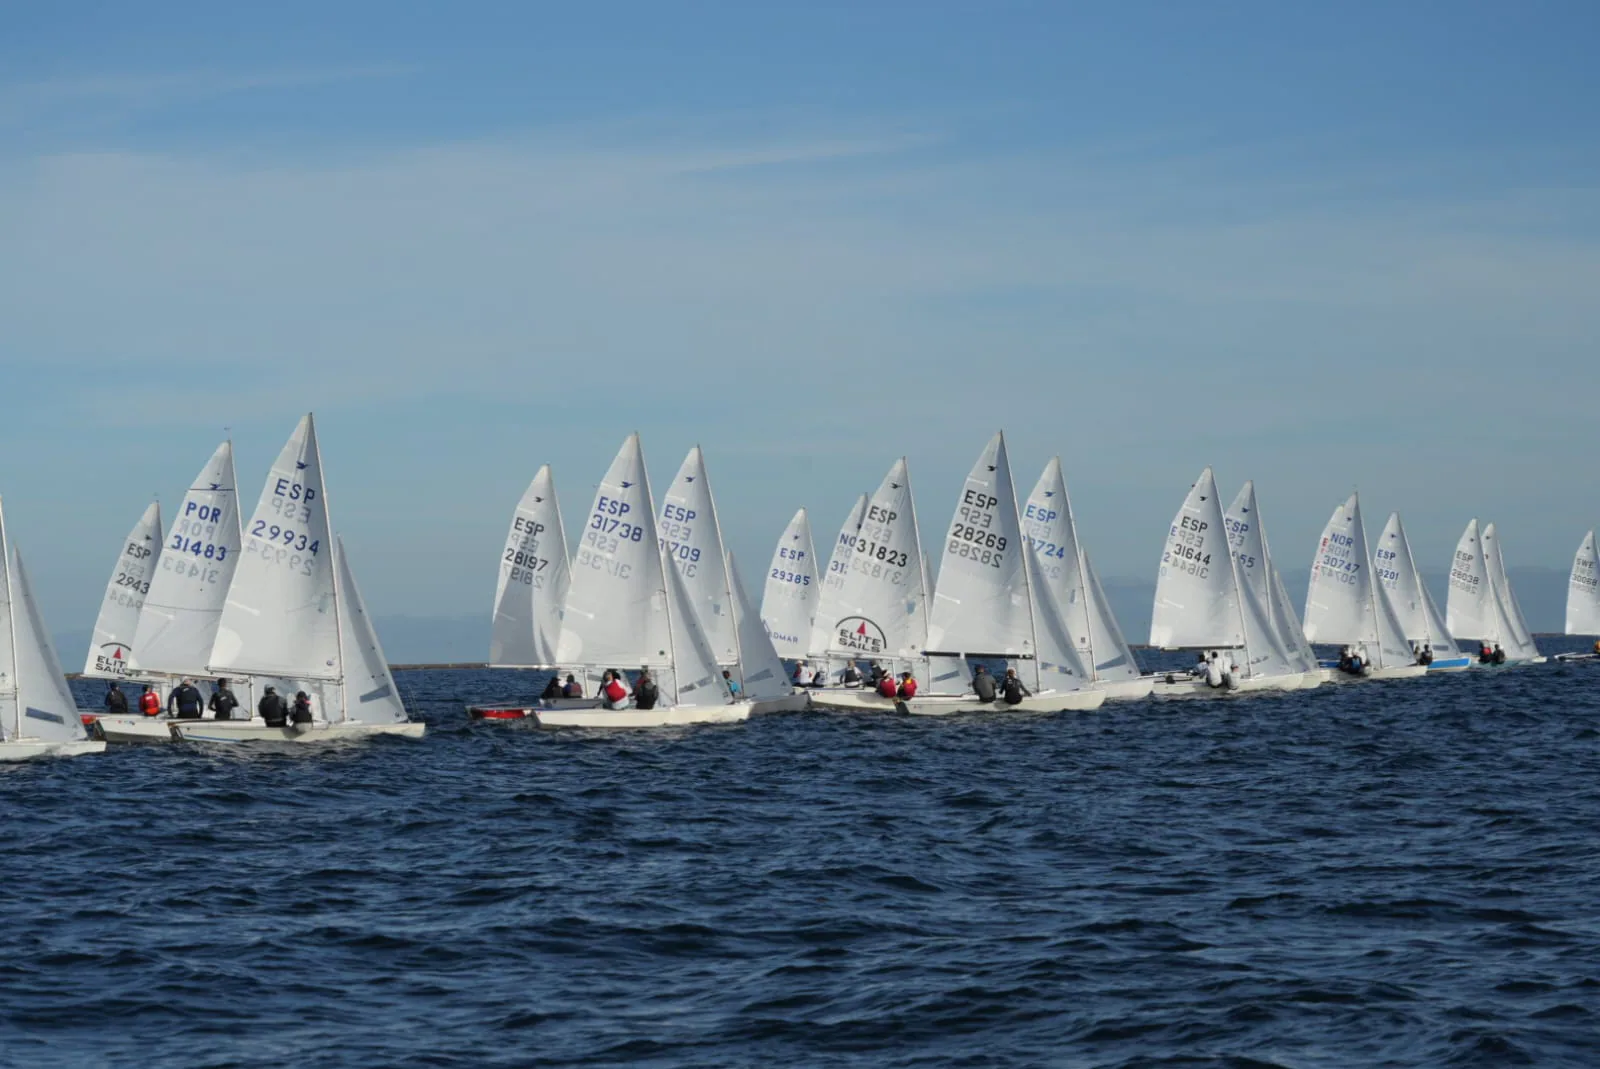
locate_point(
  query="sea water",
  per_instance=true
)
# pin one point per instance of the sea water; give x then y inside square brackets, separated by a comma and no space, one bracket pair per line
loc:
[1373,874]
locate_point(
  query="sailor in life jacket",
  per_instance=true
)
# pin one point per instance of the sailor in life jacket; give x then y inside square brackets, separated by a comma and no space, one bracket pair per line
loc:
[613,692]
[908,686]
[150,701]
[886,687]
[1214,675]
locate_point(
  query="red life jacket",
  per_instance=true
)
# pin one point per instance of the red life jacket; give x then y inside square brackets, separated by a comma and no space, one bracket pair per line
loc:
[616,692]
[149,704]
[908,689]
[886,687]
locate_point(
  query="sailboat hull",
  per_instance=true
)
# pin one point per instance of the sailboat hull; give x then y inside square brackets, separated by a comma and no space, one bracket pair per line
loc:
[1180,687]
[1403,671]
[1454,664]
[789,703]
[643,718]
[1126,690]
[246,731]
[851,700]
[28,749]
[1057,702]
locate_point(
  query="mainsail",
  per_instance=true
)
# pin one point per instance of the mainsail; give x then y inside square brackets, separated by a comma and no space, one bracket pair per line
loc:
[534,574]
[112,647]
[793,588]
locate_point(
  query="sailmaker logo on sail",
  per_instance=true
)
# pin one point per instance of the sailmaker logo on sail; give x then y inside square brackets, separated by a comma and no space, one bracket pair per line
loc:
[112,659]
[861,635]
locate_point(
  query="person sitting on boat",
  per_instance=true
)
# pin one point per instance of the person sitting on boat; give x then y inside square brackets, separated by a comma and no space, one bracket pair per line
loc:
[907,688]
[1200,666]
[1425,655]
[852,674]
[116,702]
[613,694]
[983,684]
[885,686]
[732,684]
[272,708]
[150,701]
[1011,688]
[573,689]
[1344,658]
[301,713]
[1499,654]
[223,703]
[1485,653]
[803,675]
[186,700]
[645,691]
[1597,647]
[1215,676]
[553,689]
[1356,663]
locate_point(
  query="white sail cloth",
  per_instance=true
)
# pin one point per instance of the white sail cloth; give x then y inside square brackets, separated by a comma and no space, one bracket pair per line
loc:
[793,589]
[35,704]
[691,540]
[1401,583]
[1583,590]
[534,574]
[881,607]
[1342,602]
[111,650]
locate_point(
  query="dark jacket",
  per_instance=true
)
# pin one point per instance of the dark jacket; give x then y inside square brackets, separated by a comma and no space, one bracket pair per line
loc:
[552,689]
[187,701]
[273,710]
[852,676]
[116,702]
[223,703]
[1013,690]
[983,686]
[646,694]
[301,713]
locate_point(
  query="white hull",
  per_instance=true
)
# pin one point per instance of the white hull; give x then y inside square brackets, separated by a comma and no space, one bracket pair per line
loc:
[661,716]
[1313,679]
[143,728]
[1054,702]
[797,702]
[28,749]
[1404,671]
[1126,690]
[243,731]
[1189,688]
[853,700]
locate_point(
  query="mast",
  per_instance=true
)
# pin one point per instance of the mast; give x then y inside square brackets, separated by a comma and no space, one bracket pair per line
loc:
[666,595]
[1238,588]
[1372,580]
[722,551]
[1025,550]
[1416,579]
[11,625]
[922,559]
[338,594]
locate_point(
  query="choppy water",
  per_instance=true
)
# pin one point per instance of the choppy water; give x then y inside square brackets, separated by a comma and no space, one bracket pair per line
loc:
[1403,874]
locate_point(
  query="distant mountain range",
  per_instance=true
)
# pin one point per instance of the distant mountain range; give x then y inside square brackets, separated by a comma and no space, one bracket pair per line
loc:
[1542,593]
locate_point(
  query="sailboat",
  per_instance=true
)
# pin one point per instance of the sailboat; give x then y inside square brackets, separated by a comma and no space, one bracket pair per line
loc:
[990,603]
[1401,583]
[293,613]
[1478,608]
[1343,605]
[691,539]
[1583,595]
[625,607]
[792,591]
[1521,637]
[1252,562]
[534,574]
[111,648]
[1069,580]
[830,604]
[1201,604]
[38,717]
[763,680]
[189,584]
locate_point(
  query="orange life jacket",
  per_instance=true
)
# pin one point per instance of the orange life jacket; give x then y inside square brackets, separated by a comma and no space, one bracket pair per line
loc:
[149,704]
[886,687]
[616,691]
[908,689]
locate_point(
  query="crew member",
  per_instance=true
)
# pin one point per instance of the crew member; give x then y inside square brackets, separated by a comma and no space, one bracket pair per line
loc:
[186,700]
[1011,688]
[645,691]
[1499,654]
[272,708]
[907,688]
[852,674]
[803,675]
[116,701]
[301,713]
[223,703]
[150,701]
[615,695]
[573,689]
[983,684]
[1214,674]
[552,690]
[885,686]
[733,685]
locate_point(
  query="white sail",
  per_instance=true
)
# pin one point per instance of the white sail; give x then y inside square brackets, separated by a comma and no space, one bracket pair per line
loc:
[762,673]
[983,604]
[1252,559]
[1401,583]
[1113,658]
[178,625]
[1197,594]
[34,700]
[616,612]
[1470,609]
[115,629]
[1339,597]
[534,574]
[883,604]
[829,606]
[280,618]
[1583,590]
[1057,559]
[369,693]
[793,589]
[691,539]
[1516,639]
[694,676]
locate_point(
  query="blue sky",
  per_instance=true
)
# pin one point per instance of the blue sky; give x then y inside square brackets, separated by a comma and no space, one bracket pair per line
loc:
[1320,246]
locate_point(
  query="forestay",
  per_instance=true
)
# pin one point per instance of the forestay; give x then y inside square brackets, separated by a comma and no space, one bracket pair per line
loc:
[534,574]
[1583,590]
[178,625]
[830,604]
[1515,638]
[281,618]
[34,699]
[1252,560]
[983,602]
[762,673]
[1402,585]
[691,539]
[1197,595]
[369,693]
[1470,609]
[793,589]
[882,605]
[116,628]
[616,612]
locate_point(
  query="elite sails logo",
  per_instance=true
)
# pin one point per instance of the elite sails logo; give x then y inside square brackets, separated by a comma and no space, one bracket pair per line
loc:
[859,634]
[113,659]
